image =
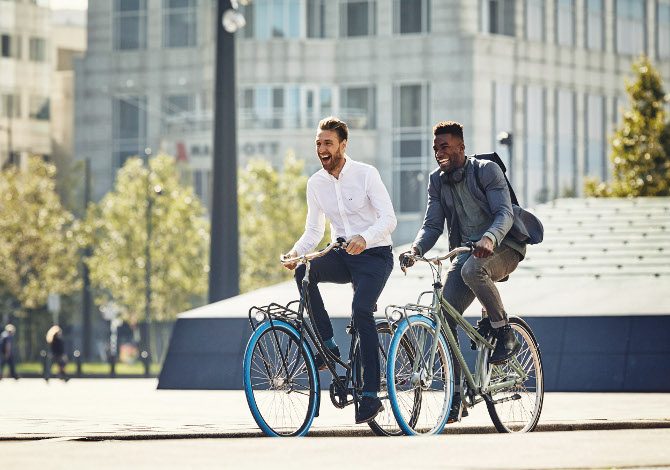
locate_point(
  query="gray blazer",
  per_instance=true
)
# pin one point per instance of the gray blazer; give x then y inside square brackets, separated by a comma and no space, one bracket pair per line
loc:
[508,220]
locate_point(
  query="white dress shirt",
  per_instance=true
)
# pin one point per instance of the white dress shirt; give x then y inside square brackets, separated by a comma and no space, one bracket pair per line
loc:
[356,203]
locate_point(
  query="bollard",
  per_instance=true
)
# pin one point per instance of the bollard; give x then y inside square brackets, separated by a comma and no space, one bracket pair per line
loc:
[112,365]
[45,366]
[77,360]
[147,363]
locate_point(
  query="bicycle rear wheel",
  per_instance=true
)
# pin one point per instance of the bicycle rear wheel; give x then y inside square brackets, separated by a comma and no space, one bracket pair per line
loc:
[517,408]
[420,401]
[280,380]
[385,423]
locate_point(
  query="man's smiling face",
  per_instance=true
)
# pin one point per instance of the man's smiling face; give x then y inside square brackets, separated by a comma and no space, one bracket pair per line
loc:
[330,150]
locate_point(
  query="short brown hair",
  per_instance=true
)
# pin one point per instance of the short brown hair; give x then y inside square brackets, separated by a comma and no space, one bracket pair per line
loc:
[332,123]
[449,127]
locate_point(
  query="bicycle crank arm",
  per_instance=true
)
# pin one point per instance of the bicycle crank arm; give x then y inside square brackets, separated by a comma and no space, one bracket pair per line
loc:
[516,396]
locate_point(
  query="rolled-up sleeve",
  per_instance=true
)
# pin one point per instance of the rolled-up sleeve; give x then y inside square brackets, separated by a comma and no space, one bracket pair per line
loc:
[381,202]
[315,224]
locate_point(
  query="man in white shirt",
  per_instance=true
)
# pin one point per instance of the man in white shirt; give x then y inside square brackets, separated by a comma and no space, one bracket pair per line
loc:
[354,199]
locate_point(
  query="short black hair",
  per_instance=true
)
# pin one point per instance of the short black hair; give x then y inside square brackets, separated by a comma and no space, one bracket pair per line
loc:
[332,123]
[449,127]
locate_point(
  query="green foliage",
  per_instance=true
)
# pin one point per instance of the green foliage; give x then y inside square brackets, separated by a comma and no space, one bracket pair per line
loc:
[272,210]
[117,232]
[38,237]
[641,145]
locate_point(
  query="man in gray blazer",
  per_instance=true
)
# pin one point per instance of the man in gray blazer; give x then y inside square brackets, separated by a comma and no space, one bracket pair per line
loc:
[485,218]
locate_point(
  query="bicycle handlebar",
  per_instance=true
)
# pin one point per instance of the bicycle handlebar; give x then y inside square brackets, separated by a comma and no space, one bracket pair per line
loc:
[340,243]
[437,259]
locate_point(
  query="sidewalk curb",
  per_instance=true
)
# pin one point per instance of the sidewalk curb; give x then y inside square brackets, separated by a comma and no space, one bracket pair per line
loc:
[597,425]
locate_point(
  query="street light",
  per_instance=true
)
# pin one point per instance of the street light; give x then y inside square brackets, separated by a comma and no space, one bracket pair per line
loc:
[152,192]
[506,139]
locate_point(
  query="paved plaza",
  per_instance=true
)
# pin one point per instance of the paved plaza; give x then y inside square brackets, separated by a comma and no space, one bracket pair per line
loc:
[129,424]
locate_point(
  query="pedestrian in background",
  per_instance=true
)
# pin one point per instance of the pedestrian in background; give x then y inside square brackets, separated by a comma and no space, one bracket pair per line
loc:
[57,345]
[7,351]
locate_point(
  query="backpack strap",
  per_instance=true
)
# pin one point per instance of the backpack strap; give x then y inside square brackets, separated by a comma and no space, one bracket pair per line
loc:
[512,196]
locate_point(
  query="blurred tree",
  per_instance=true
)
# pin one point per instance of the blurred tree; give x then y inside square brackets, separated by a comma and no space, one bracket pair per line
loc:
[272,208]
[641,144]
[117,233]
[38,237]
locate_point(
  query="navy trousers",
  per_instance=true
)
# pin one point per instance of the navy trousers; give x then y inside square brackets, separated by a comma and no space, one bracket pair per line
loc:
[368,272]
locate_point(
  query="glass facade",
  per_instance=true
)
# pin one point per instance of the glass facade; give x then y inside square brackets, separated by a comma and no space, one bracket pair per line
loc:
[595,17]
[630,27]
[129,127]
[663,30]
[357,107]
[180,23]
[130,24]
[534,157]
[595,137]
[535,20]
[497,17]
[503,121]
[565,22]
[358,18]
[411,16]
[565,168]
[37,50]
[39,108]
[411,142]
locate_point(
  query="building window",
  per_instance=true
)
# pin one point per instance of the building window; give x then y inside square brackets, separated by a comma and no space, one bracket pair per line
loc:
[267,19]
[535,187]
[535,20]
[129,127]
[663,30]
[39,108]
[10,46]
[10,106]
[630,28]
[179,23]
[411,16]
[357,107]
[595,17]
[178,105]
[357,18]
[316,18]
[497,17]
[565,22]
[412,157]
[565,174]
[130,24]
[503,121]
[595,137]
[202,186]
[266,107]
[38,49]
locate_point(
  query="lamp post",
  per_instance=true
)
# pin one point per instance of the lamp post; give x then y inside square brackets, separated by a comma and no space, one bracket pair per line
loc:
[224,250]
[506,139]
[152,191]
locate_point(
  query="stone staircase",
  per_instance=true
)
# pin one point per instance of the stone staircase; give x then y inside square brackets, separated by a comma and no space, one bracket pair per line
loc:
[597,237]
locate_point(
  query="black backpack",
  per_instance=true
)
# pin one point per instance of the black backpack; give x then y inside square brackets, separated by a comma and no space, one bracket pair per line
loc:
[493,157]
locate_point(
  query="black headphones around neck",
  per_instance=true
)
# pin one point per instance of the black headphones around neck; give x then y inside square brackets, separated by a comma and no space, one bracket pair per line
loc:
[454,176]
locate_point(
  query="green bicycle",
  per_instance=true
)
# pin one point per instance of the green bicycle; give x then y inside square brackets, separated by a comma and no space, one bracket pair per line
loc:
[420,370]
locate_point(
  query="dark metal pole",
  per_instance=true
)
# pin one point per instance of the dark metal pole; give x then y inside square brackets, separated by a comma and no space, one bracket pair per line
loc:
[86,294]
[224,251]
[147,267]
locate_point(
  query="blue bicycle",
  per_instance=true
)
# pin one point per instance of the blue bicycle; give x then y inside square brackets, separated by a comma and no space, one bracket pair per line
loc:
[281,381]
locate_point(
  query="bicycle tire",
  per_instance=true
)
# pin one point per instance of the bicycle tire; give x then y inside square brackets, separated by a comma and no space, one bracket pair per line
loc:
[522,414]
[280,380]
[419,408]
[385,423]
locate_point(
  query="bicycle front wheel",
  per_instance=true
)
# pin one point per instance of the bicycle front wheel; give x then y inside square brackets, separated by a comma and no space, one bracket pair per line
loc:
[280,380]
[384,423]
[420,390]
[517,408]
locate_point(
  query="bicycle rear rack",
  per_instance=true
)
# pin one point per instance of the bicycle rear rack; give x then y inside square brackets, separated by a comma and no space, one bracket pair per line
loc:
[273,311]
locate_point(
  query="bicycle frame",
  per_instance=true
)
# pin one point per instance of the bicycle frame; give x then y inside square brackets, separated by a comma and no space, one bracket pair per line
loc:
[478,382]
